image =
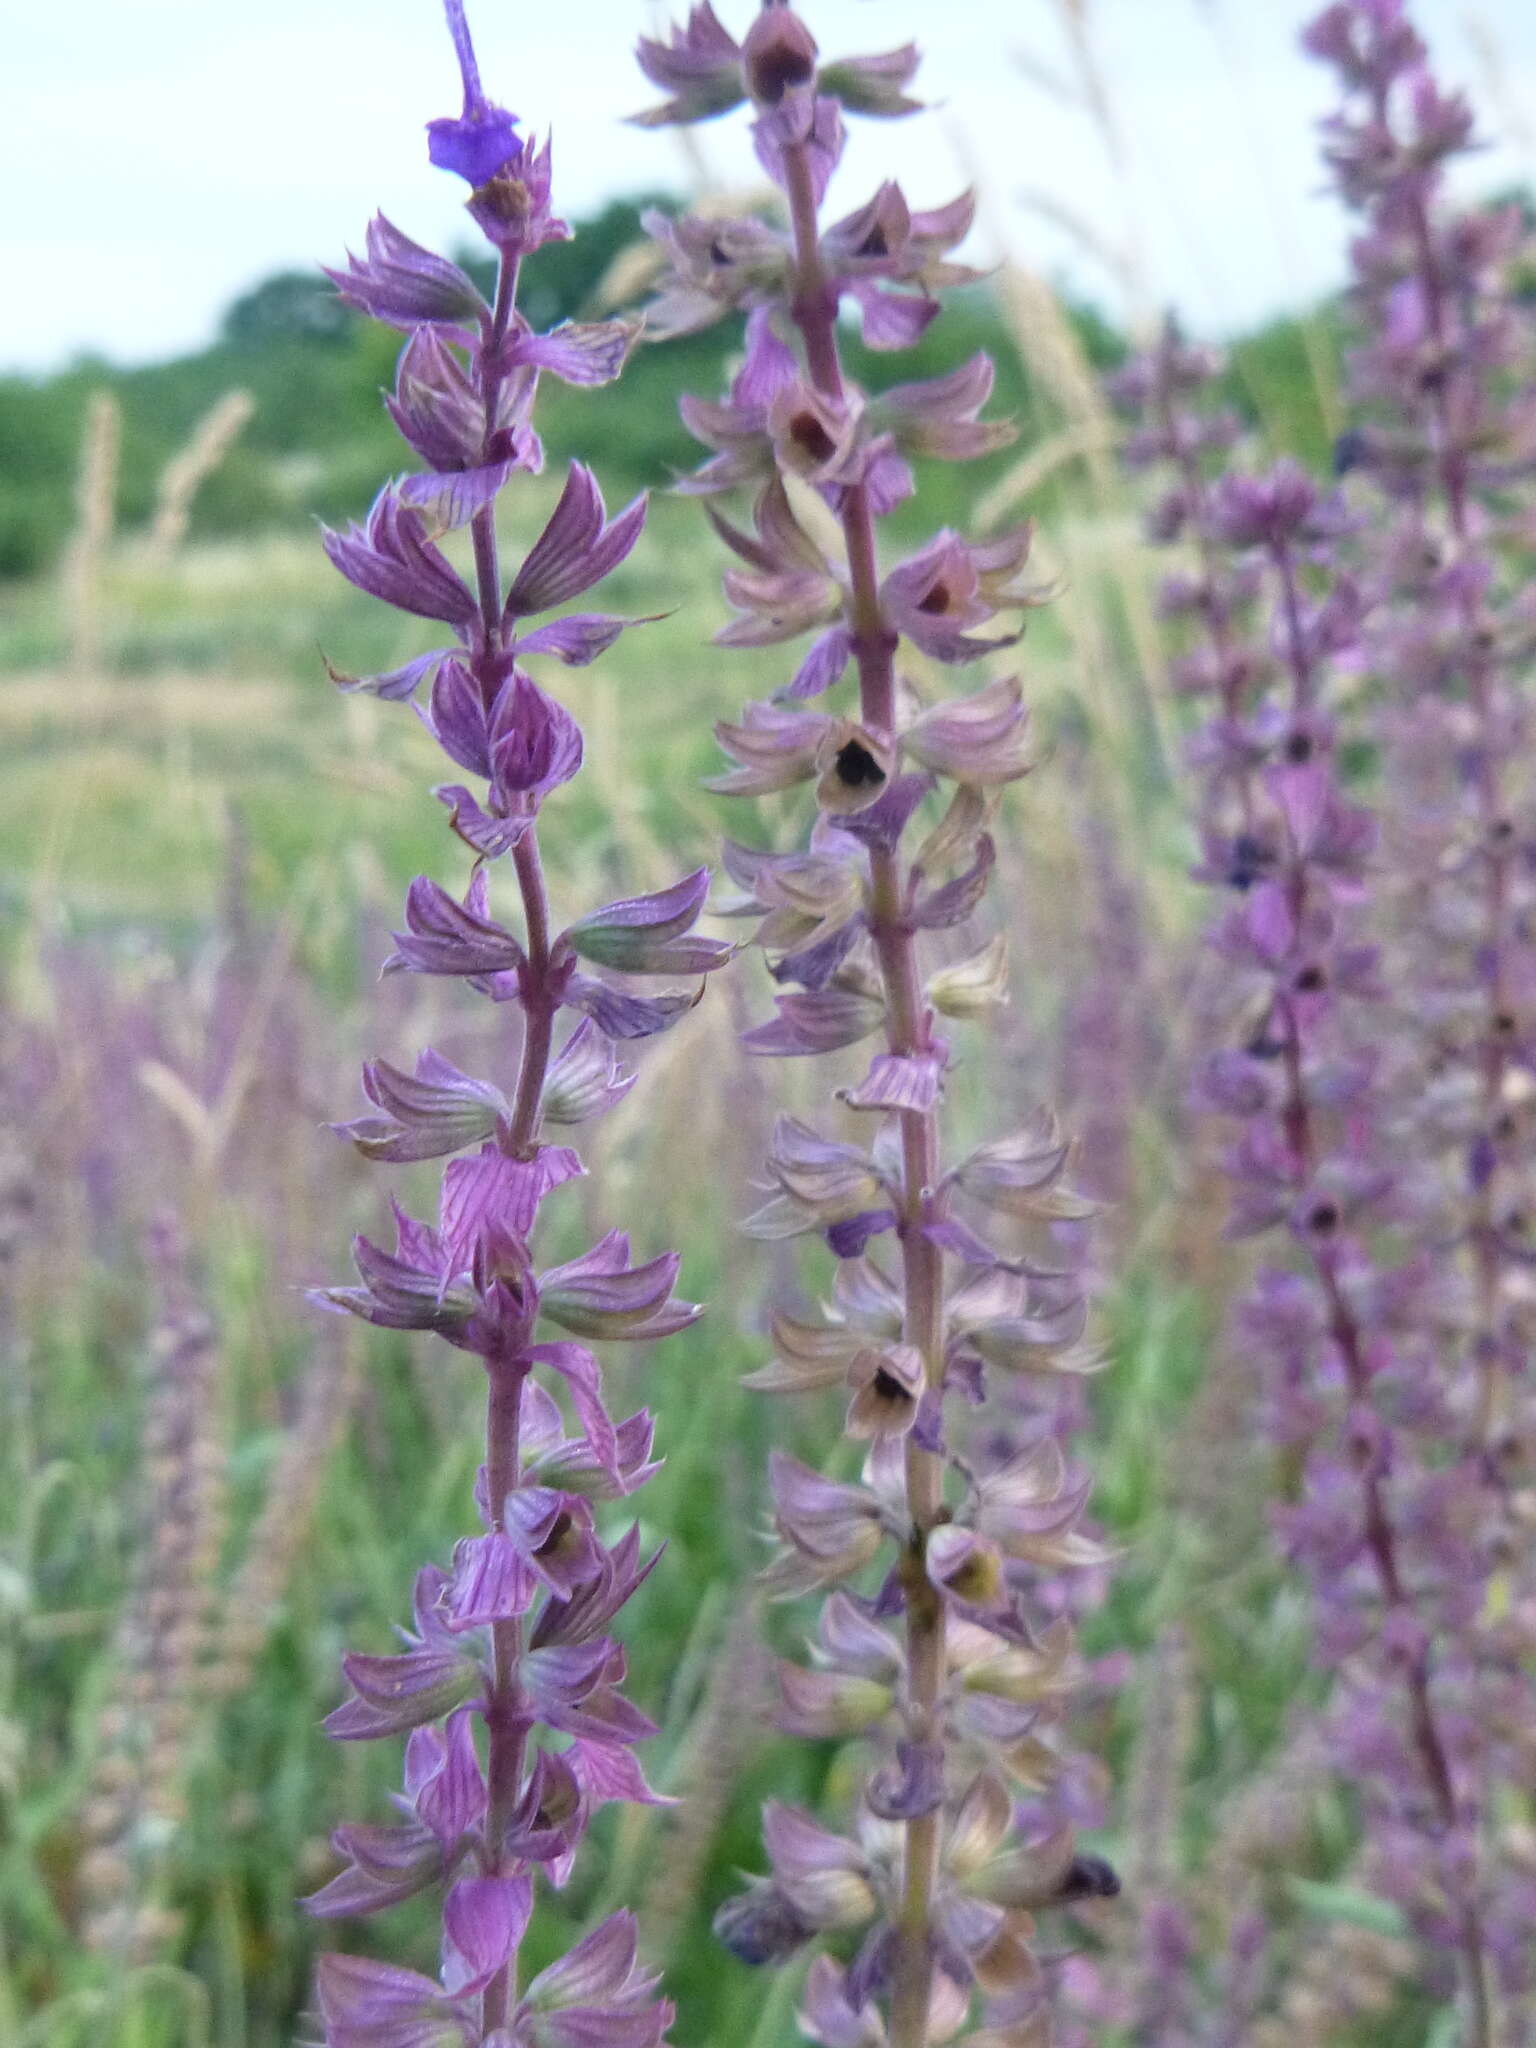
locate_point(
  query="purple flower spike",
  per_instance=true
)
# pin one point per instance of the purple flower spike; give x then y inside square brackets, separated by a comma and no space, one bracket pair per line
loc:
[947,1537]
[508,1689]
[1361,1123]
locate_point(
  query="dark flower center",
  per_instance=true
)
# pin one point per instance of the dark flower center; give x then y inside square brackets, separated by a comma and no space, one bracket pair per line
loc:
[857,766]
[937,600]
[1298,747]
[1247,861]
[1324,1217]
[1088,1877]
[774,71]
[874,243]
[1310,979]
[807,433]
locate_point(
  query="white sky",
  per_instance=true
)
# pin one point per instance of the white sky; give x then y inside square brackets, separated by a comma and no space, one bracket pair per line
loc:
[159,156]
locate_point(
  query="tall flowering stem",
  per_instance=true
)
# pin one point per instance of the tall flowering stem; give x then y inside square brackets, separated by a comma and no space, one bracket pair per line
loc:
[1440,379]
[941,1872]
[508,1689]
[1391,1526]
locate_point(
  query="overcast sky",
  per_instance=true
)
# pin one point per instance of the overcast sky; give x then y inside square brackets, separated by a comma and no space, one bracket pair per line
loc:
[158,157]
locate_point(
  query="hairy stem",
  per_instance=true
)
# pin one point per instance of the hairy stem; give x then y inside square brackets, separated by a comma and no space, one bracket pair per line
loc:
[538,1007]
[814,309]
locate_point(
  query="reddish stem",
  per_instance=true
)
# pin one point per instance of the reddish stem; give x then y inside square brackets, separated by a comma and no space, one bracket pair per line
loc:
[814,310]
[506,1726]
[1299,1117]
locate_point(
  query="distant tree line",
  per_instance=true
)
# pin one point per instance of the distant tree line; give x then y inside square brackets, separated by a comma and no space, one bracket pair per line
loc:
[319,443]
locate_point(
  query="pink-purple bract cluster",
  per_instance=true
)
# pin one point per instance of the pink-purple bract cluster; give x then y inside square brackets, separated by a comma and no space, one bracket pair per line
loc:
[507,1688]
[1443,440]
[1374,1048]
[950,1272]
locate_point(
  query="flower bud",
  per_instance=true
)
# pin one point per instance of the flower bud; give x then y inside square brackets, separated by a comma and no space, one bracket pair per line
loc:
[855,767]
[973,986]
[778,56]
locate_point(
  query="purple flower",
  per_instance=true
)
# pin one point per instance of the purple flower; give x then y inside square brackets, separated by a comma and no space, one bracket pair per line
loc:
[597,1993]
[478,143]
[525,746]
[699,64]
[938,596]
[602,1295]
[363,2002]
[652,934]
[391,557]
[446,937]
[434,1111]
[400,282]
[584,1078]
[578,547]
[429,1679]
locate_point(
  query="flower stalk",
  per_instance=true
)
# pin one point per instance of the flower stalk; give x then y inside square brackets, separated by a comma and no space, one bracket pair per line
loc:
[508,1689]
[947,1862]
[813,310]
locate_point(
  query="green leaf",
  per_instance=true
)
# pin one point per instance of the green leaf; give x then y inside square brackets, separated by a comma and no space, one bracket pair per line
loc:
[1343,1902]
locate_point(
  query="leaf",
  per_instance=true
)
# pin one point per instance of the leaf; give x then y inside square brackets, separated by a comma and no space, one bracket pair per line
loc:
[1343,1903]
